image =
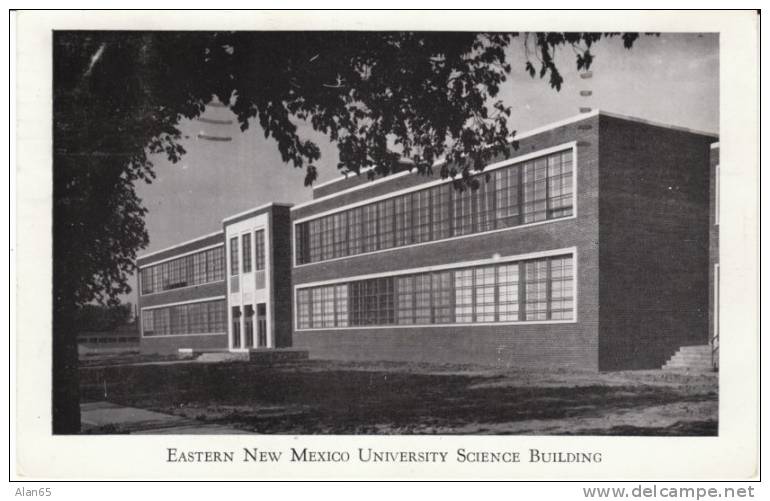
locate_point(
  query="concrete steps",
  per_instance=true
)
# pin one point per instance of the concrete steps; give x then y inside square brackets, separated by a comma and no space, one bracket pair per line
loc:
[691,358]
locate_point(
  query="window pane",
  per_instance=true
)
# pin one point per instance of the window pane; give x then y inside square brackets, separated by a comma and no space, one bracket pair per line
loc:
[421,215]
[405,289]
[507,196]
[536,285]
[259,250]
[562,299]
[354,231]
[508,292]
[234,256]
[386,222]
[370,227]
[463,296]
[463,211]
[403,210]
[534,182]
[442,297]
[246,243]
[440,211]
[318,307]
[484,199]
[341,305]
[485,294]
[303,309]
[422,302]
[340,234]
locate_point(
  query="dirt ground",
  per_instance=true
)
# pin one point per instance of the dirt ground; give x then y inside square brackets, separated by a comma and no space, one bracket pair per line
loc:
[323,397]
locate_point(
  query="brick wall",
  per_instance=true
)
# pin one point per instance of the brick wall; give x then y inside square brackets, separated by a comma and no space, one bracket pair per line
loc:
[654,235]
[281,281]
[534,345]
[170,345]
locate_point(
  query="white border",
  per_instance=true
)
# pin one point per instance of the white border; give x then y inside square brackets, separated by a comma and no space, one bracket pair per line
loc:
[443,267]
[412,189]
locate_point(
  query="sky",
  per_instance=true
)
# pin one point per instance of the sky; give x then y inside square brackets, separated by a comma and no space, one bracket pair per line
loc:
[673,78]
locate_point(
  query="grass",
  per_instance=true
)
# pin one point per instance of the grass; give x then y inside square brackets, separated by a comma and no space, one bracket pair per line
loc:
[320,397]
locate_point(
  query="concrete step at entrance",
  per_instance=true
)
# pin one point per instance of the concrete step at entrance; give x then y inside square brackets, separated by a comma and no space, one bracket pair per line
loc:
[691,358]
[257,355]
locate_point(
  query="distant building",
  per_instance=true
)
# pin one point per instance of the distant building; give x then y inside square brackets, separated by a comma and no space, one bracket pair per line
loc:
[589,247]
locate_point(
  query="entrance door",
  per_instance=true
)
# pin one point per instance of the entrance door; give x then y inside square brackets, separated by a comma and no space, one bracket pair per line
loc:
[236,330]
[248,322]
[261,325]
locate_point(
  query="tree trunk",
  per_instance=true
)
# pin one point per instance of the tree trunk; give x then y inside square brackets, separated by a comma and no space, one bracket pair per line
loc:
[66,381]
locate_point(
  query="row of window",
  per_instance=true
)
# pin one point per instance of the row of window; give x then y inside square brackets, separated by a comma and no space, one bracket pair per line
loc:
[532,191]
[259,253]
[209,317]
[530,290]
[195,269]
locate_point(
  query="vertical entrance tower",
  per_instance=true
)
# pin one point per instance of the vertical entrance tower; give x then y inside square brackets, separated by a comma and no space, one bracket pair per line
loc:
[258,273]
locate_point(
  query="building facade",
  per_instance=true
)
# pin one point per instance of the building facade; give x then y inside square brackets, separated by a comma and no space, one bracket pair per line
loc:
[587,247]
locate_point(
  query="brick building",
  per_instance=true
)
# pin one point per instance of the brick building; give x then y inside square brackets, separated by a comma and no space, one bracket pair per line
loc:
[588,247]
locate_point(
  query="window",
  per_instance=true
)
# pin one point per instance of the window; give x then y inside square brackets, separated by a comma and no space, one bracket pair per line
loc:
[464,296]
[536,285]
[484,207]
[303,309]
[527,192]
[532,290]
[205,317]
[403,223]
[405,302]
[148,326]
[340,234]
[484,290]
[441,211]
[259,250]
[422,292]
[315,241]
[560,185]
[386,223]
[318,307]
[246,244]
[327,237]
[421,215]
[508,292]
[185,271]
[370,227]
[341,305]
[234,256]
[561,300]
[355,237]
[463,212]
[442,297]
[507,197]
[534,182]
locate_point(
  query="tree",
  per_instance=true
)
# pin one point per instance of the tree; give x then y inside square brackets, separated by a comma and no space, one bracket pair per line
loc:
[382,97]
[100,318]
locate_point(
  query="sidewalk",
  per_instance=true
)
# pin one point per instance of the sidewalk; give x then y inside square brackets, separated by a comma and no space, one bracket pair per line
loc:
[108,418]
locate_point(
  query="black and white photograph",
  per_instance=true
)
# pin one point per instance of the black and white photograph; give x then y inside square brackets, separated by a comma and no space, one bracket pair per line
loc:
[379,232]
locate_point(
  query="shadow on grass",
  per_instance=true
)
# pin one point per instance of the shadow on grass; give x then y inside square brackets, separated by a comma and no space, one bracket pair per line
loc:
[314,398]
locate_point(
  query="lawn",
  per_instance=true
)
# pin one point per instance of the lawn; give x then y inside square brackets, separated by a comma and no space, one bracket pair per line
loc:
[323,397]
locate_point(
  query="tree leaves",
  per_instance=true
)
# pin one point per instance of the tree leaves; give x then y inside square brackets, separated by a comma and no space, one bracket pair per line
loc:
[387,99]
